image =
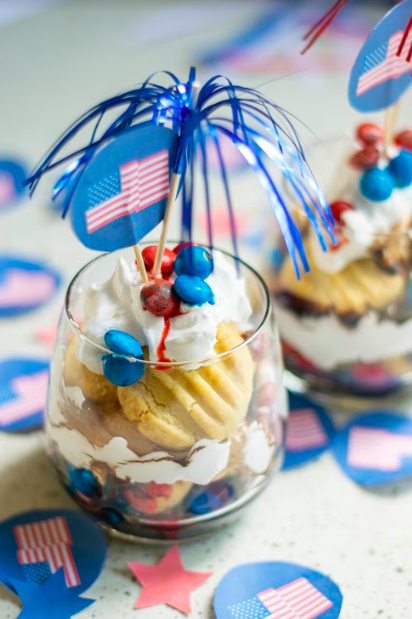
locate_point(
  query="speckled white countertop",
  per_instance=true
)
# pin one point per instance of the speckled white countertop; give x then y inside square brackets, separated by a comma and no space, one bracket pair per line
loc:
[56,63]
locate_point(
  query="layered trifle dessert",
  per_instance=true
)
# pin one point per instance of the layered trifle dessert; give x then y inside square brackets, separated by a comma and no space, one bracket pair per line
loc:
[166,401]
[346,326]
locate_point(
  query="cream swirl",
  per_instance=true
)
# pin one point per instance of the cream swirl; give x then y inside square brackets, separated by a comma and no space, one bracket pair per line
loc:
[115,304]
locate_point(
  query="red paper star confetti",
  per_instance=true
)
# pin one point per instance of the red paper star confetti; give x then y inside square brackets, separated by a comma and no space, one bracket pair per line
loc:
[167,582]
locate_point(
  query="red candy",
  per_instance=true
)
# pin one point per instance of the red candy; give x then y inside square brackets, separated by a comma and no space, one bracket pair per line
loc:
[365,159]
[149,256]
[338,208]
[181,246]
[160,299]
[369,134]
[404,139]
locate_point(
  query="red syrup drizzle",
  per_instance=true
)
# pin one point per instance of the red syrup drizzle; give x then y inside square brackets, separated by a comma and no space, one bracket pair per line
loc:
[161,349]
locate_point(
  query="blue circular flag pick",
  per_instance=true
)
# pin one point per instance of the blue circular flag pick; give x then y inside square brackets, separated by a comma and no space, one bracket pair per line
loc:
[25,285]
[37,544]
[23,393]
[121,194]
[276,590]
[13,173]
[379,76]
[375,449]
[309,432]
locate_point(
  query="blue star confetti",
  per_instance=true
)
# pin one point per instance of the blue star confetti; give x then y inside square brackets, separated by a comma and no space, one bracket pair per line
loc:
[51,599]
[36,545]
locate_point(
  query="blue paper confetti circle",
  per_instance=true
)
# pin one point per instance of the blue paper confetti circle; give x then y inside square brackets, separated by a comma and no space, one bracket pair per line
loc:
[309,432]
[23,393]
[25,285]
[375,449]
[34,545]
[13,173]
[276,590]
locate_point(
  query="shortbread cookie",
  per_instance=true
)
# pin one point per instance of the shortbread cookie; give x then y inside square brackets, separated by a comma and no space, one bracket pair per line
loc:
[359,286]
[95,387]
[174,409]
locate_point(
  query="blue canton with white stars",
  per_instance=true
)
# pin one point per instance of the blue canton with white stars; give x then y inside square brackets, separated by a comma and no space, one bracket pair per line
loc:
[37,573]
[6,394]
[104,190]
[250,609]
[375,58]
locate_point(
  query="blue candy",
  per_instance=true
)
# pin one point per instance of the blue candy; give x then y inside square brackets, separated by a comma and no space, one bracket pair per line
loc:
[84,481]
[123,344]
[377,185]
[194,260]
[206,500]
[118,370]
[401,169]
[111,516]
[193,290]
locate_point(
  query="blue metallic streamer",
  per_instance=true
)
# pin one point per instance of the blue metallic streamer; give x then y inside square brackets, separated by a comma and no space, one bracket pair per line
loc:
[262,131]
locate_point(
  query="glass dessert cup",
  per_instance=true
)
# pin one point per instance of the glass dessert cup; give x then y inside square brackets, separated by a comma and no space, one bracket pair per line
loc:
[179,452]
[346,327]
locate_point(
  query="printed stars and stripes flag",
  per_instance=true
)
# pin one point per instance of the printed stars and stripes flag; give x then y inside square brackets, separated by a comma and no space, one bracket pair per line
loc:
[384,63]
[296,600]
[48,541]
[138,185]
[29,398]
[22,289]
[375,448]
[304,431]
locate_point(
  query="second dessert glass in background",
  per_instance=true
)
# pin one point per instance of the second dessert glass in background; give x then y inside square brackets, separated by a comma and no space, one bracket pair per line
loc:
[346,327]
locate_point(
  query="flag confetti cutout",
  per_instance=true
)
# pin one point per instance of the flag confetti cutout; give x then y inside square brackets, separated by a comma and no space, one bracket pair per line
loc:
[48,541]
[375,448]
[275,590]
[12,176]
[309,431]
[23,393]
[24,285]
[38,546]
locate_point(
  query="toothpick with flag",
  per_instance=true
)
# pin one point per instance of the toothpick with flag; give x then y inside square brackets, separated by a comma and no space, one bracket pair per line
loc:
[124,180]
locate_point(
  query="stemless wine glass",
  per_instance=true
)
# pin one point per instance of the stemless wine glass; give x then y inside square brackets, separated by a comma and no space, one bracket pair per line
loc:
[359,347]
[136,487]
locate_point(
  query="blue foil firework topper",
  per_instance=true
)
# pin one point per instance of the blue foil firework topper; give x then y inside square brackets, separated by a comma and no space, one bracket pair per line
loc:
[336,7]
[177,121]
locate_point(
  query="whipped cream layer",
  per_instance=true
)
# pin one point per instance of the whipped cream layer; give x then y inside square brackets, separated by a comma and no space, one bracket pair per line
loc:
[363,224]
[115,304]
[327,343]
[206,459]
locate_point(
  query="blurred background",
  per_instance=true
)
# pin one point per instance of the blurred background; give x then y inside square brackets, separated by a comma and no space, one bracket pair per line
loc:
[60,57]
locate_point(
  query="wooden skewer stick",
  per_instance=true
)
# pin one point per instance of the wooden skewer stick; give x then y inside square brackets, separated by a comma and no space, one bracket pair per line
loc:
[174,185]
[140,263]
[390,121]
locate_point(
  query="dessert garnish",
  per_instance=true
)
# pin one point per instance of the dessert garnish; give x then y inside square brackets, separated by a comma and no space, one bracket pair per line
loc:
[124,182]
